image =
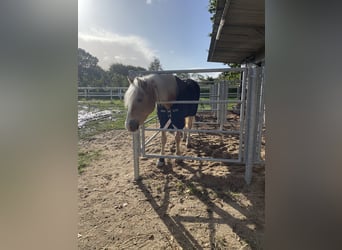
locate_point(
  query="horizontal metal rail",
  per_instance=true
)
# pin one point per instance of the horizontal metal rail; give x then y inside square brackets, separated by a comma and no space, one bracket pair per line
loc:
[100,87]
[192,158]
[94,95]
[229,132]
[206,123]
[192,71]
[199,102]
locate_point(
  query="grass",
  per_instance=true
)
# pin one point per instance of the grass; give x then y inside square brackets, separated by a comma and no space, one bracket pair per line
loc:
[85,158]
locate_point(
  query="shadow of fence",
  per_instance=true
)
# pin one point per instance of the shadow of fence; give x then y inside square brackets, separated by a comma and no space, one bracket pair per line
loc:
[215,214]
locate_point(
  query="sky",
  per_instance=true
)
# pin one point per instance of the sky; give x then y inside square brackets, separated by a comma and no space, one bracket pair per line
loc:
[134,32]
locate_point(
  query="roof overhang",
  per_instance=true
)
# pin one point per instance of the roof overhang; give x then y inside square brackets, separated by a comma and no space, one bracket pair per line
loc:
[238,34]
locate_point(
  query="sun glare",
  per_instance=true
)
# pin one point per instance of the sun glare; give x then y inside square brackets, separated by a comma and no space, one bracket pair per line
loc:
[84,8]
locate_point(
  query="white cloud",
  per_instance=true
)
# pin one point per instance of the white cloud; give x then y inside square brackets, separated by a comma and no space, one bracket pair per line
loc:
[114,48]
[148,1]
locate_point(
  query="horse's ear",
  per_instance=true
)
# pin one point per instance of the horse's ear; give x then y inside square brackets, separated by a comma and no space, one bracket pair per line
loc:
[130,79]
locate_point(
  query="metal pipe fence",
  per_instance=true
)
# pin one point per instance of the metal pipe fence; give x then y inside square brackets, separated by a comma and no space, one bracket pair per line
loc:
[102,92]
[249,121]
[119,92]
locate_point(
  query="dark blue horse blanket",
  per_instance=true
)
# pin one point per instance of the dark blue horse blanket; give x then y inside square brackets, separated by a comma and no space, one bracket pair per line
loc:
[187,90]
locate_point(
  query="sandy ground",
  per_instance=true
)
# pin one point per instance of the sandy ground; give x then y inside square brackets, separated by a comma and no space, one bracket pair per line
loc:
[191,205]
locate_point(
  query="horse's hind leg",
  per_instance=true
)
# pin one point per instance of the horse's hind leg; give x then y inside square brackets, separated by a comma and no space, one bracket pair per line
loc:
[188,125]
[178,152]
[185,129]
[161,161]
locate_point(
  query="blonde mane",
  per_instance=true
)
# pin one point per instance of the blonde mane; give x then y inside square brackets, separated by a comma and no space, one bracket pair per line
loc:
[130,93]
[140,85]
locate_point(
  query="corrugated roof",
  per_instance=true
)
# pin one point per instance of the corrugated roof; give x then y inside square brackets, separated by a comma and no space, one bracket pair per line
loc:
[238,32]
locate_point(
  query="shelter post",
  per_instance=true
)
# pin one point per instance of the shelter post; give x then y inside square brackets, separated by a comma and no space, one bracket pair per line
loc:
[254,81]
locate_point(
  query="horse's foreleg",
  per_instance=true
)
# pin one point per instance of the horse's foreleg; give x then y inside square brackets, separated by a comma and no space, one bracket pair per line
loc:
[178,139]
[161,161]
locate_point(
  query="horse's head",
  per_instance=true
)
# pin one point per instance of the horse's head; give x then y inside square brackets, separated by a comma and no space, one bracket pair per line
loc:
[140,102]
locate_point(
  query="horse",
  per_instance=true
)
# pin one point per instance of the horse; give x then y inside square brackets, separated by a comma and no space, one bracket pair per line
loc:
[143,94]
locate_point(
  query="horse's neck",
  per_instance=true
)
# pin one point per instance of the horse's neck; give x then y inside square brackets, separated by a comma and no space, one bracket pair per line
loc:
[166,90]
[161,95]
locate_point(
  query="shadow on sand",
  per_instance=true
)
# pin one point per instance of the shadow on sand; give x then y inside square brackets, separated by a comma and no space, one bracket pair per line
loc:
[223,186]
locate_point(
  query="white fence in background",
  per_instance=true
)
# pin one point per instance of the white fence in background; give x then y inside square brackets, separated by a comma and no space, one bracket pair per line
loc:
[102,92]
[119,92]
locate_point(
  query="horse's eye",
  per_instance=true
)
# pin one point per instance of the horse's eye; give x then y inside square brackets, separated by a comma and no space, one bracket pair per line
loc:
[139,100]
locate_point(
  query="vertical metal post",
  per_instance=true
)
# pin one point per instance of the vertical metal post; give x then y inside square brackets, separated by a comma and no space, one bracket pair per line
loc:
[216,97]
[136,153]
[219,105]
[261,112]
[143,140]
[242,116]
[211,97]
[252,107]
[222,107]
[225,87]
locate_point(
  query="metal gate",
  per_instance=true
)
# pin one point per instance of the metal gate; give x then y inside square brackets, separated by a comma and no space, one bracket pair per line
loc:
[251,110]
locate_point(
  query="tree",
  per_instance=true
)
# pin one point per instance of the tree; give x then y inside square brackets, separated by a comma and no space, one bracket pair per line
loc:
[89,73]
[117,80]
[212,9]
[92,75]
[155,65]
[234,77]
[86,60]
[118,74]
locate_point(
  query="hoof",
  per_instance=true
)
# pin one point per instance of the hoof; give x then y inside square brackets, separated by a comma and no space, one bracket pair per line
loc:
[160,163]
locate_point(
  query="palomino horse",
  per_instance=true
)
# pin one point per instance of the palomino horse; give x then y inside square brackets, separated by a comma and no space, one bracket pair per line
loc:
[144,92]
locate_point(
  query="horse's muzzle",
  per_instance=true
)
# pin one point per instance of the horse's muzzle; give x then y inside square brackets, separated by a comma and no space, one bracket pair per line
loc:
[132,125]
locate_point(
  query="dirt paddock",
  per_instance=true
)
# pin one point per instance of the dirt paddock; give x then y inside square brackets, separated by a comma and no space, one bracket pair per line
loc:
[191,205]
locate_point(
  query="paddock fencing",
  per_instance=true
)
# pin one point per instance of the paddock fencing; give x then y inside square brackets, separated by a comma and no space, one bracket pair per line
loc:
[102,92]
[247,103]
[119,92]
